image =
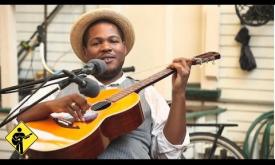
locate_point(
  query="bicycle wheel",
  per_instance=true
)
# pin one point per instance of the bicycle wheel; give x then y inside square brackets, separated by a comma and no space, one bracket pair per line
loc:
[202,142]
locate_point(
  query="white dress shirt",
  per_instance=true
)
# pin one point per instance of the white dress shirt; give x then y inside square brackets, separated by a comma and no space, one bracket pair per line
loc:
[161,148]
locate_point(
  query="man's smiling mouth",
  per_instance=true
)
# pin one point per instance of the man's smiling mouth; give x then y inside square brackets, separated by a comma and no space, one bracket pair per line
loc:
[107,58]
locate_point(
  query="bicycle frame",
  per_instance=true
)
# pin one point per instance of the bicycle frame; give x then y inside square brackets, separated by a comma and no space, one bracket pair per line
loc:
[220,127]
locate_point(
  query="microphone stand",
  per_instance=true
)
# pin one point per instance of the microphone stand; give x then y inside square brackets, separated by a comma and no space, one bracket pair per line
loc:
[88,70]
[62,84]
[44,38]
[32,83]
[34,41]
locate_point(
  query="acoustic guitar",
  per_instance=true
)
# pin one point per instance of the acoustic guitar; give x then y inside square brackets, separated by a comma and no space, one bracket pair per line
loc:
[16,139]
[118,113]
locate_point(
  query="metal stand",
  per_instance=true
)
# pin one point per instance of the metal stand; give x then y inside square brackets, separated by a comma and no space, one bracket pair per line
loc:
[35,39]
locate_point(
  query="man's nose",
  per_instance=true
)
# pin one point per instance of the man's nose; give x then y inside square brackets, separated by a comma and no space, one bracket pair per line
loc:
[106,46]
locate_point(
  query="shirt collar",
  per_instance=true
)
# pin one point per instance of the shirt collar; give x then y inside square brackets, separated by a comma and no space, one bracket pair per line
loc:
[111,85]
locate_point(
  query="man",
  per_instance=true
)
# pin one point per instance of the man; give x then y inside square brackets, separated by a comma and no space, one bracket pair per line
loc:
[17,140]
[107,35]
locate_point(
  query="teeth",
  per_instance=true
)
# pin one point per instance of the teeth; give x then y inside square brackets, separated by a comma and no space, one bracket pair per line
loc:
[108,59]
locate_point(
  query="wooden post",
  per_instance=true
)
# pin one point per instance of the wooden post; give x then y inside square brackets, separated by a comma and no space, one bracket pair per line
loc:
[8,54]
[209,74]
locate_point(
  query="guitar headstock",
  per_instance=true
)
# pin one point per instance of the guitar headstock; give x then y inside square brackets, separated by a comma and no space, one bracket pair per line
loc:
[206,57]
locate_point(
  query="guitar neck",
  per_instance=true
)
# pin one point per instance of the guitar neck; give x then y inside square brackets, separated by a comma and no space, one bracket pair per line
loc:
[161,75]
[142,84]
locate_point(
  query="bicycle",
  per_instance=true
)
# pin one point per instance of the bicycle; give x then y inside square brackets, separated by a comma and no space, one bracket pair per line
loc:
[205,145]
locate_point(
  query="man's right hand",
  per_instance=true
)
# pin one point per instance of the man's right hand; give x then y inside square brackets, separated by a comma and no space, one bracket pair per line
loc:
[74,104]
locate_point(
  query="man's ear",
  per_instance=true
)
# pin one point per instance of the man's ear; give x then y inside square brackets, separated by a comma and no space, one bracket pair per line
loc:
[125,48]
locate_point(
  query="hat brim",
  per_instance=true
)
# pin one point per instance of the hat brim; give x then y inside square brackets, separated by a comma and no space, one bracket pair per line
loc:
[81,24]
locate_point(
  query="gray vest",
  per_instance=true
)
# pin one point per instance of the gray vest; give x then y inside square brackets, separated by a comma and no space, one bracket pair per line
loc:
[134,145]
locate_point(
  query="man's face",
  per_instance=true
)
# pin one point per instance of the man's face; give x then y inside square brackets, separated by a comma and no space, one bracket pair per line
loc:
[105,43]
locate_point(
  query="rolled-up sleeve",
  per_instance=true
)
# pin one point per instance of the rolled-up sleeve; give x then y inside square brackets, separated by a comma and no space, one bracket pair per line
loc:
[28,101]
[161,148]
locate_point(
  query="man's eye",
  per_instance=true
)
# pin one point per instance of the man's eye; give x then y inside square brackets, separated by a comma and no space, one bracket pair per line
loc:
[95,43]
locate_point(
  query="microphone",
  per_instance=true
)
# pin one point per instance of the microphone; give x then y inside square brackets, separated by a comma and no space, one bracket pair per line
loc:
[93,67]
[91,89]
[86,86]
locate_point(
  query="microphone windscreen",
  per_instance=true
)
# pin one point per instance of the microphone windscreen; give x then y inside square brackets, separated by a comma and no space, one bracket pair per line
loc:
[91,89]
[99,65]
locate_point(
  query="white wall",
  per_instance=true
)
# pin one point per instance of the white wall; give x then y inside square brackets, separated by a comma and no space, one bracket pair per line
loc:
[59,55]
[246,95]
[8,74]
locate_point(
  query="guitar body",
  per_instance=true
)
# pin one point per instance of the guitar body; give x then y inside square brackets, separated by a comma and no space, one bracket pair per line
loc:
[90,139]
[15,141]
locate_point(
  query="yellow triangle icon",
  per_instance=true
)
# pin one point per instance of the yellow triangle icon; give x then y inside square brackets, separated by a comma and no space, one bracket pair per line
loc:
[21,138]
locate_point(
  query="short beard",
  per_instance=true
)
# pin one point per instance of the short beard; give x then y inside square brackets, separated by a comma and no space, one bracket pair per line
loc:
[109,75]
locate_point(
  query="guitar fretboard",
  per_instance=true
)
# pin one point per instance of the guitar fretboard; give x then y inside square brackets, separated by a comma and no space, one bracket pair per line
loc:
[141,84]
[209,56]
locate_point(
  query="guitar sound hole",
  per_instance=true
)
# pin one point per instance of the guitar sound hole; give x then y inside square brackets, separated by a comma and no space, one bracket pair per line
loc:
[101,105]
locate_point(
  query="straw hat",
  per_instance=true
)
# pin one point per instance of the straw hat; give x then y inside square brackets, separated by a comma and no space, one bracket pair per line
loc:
[79,27]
